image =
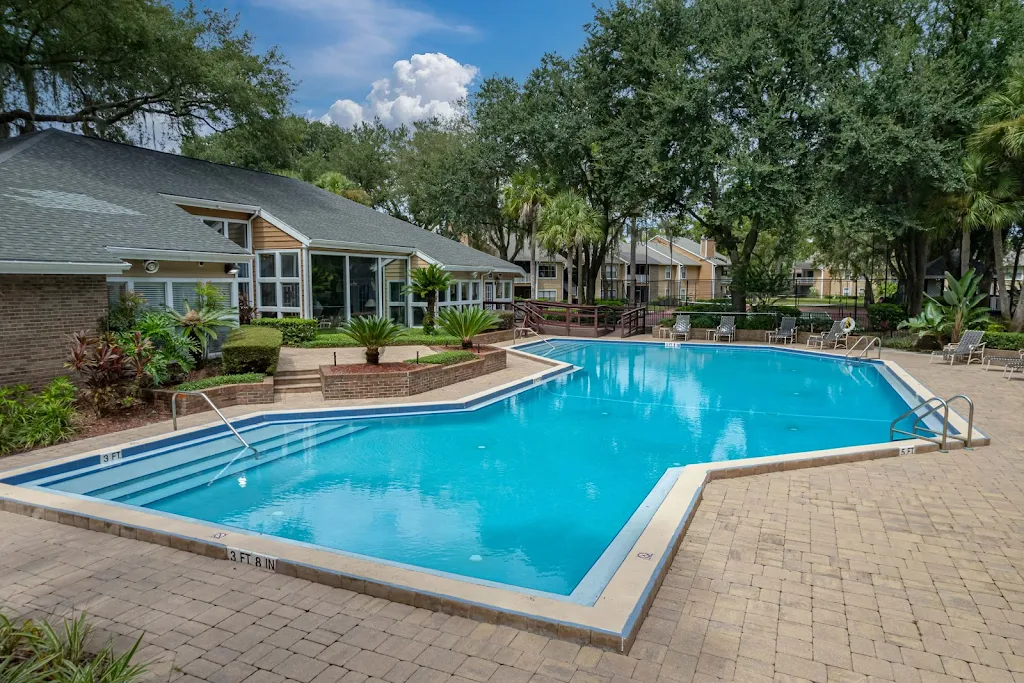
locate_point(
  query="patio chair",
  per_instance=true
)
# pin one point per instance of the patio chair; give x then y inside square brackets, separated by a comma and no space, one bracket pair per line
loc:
[970,348]
[681,330]
[785,333]
[1014,365]
[836,335]
[726,328]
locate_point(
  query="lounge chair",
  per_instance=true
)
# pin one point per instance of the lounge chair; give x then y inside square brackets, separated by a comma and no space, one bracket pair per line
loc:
[1014,365]
[970,348]
[681,330]
[785,333]
[726,328]
[835,336]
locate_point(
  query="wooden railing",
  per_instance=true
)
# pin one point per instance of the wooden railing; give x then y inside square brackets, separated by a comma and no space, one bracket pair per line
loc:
[542,315]
[633,321]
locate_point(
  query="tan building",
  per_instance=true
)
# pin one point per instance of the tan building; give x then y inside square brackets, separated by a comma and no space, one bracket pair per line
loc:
[85,219]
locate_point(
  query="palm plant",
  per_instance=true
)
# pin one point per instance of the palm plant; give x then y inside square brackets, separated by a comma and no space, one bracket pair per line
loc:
[467,323]
[205,321]
[567,224]
[374,333]
[522,200]
[426,283]
[930,322]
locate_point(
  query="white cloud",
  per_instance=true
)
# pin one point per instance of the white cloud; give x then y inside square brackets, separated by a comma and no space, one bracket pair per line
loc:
[422,87]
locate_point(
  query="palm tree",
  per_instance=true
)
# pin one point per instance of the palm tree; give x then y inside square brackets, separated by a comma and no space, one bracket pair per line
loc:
[374,333]
[467,323]
[1000,139]
[341,185]
[567,224]
[523,200]
[206,320]
[426,283]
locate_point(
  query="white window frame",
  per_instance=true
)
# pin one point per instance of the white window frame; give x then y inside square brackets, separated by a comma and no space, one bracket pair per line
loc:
[383,302]
[668,272]
[223,231]
[277,310]
[554,268]
[167,282]
[547,294]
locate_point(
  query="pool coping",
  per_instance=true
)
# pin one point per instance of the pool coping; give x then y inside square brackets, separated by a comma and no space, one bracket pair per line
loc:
[611,622]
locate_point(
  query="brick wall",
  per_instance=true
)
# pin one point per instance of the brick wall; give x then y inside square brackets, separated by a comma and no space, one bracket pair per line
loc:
[38,315]
[223,396]
[338,384]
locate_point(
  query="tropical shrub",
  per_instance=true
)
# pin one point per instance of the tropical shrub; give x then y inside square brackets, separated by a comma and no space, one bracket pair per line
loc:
[251,349]
[448,357]
[374,333]
[1006,341]
[221,380]
[885,317]
[206,319]
[426,283]
[112,373]
[123,314]
[34,652]
[295,330]
[408,338]
[173,352]
[959,309]
[930,322]
[36,420]
[467,323]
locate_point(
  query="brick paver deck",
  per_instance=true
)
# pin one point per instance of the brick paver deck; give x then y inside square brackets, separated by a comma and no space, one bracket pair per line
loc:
[904,569]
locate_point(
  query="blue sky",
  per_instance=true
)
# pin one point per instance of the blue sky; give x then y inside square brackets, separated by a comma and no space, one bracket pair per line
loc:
[339,48]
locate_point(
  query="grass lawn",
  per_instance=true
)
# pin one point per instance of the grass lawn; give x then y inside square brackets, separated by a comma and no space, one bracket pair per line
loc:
[334,339]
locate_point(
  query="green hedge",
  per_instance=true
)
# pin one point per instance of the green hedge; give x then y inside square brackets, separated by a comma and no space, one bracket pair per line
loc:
[409,338]
[448,357]
[506,320]
[1006,341]
[885,317]
[706,307]
[252,349]
[221,380]
[295,330]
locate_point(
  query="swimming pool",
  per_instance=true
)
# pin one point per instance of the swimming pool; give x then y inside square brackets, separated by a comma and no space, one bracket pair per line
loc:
[543,491]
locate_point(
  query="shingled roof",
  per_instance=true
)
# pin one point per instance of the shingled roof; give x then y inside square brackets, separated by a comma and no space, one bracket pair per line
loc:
[65,198]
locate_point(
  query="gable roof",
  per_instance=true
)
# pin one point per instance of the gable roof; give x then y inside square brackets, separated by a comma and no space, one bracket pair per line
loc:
[65,197]
[693,247]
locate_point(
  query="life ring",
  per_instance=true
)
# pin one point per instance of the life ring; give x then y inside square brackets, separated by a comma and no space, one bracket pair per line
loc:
[848,325]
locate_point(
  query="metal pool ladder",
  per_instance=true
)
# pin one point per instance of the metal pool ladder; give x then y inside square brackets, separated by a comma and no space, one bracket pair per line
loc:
[934,405]
[873,342]
[174,418]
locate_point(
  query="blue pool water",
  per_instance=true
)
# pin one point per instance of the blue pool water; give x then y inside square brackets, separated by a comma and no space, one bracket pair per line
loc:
[528,491]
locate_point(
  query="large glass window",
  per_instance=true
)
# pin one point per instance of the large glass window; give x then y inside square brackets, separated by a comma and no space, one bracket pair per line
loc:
[362,286]
[328,289]
[237,232]
[279,286]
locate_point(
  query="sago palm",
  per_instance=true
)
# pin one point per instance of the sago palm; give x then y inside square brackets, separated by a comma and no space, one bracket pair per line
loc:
[373,333]
[467,323]
[426,283]
[567,224]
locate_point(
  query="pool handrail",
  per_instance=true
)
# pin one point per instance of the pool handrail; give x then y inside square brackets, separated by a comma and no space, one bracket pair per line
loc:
[174,416]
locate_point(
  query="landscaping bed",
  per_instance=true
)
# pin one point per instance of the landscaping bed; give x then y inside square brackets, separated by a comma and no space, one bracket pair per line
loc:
[223,395]
[389,380]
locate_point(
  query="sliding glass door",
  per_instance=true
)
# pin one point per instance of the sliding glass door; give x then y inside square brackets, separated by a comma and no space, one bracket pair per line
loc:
[347,286]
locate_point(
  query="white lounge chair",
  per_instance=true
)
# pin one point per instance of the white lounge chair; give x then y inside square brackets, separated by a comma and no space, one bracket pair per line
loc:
[835,336]
[786,332]
[1014,365]
[726,328]
[969,348]
[681,330]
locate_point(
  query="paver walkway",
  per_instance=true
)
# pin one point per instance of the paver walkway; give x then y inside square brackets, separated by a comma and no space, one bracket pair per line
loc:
[904,569]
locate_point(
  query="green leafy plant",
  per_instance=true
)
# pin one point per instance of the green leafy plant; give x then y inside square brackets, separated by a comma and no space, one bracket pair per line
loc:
[408,338]
[885,317]
[426,283]
[123,315]
[467,323]
[930,322]
[172,351]
[221,380]
[36,420]
[251,349]
[959,309]
[1006,341]
[448,357]
[206,320]
[35,652]
[295,330]
[374,333]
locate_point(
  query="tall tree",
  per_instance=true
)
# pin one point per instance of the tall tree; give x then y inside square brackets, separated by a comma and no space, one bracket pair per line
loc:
[568,225]
[523,199]
[109,67]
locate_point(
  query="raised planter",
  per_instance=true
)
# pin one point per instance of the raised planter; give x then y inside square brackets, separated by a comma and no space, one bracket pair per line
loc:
[340,382]
[224,396]
[494,337]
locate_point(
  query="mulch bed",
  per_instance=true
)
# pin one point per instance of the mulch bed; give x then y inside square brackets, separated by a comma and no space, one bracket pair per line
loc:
[366,369]
[89,424]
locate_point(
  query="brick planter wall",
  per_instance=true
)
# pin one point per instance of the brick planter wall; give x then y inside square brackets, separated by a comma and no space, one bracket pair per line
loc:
[224,396]
[494,337]
[337,384]
[40,313]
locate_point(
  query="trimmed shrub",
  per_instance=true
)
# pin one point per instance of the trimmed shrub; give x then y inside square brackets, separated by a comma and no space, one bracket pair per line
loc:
[907,342]
[295,330]
[221,380]
[885,317]
[251,349]
[506,319]
[757,322]
[1005,341]
[706,307]
[609,302]
[448,357]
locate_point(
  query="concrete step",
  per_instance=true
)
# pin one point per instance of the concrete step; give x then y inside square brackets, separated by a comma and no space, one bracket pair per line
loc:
[288,374]
[292,380]
[305,388]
